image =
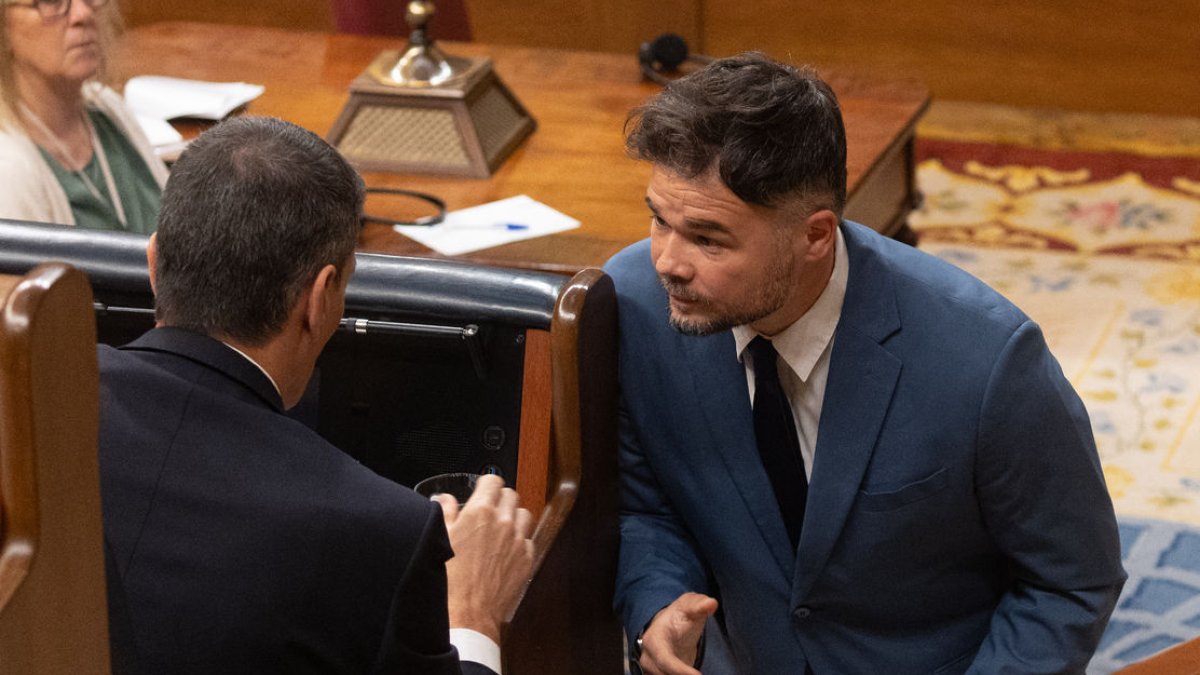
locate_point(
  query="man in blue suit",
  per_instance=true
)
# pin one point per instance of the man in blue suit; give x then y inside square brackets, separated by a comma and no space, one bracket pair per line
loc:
[853,457]
[239,540]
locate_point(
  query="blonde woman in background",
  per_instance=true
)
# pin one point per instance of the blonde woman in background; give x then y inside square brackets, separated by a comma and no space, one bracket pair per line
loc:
[70,151]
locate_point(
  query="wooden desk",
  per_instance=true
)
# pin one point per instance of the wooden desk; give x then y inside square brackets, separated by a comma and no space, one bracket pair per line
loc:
[575,161]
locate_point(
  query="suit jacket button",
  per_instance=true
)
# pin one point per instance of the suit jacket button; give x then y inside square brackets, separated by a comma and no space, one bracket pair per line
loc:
[802,612]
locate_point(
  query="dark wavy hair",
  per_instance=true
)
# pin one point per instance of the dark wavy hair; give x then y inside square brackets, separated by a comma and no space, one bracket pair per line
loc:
[772,131]
[254,208]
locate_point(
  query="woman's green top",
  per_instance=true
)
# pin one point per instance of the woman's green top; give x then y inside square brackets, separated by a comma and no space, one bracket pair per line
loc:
[139,192]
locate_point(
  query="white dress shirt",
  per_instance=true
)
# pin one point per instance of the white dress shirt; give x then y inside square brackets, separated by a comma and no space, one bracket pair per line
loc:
[804,348]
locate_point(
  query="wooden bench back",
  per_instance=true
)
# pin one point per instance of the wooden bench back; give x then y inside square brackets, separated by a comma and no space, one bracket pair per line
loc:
[53,612]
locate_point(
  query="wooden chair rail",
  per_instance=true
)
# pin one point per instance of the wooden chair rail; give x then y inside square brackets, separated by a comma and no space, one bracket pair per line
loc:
[53,607]
[565,622]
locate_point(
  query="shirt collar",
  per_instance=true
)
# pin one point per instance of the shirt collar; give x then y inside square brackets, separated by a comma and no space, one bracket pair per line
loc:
[256,365]
[802,343]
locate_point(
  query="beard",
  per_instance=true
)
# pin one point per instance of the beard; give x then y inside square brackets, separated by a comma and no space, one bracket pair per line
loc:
[708,316]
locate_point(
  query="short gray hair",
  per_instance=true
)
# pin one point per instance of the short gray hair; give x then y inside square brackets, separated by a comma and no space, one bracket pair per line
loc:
[254,208]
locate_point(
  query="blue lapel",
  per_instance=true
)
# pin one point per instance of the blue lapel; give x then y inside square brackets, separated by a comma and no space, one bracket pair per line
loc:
[719,384]
[862,378]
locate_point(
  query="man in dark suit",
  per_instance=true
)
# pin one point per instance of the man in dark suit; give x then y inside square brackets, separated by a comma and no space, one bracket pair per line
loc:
[853,457]
[240,541]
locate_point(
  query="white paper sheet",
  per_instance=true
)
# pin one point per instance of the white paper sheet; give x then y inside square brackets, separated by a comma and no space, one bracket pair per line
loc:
[167,98]
[168,143]
[492,224]
[158,131]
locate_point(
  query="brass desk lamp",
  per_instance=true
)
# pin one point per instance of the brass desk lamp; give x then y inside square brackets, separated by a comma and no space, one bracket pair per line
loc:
[422,111]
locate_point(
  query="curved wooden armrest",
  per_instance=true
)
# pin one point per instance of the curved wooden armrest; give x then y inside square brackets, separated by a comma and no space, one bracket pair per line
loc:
[570,594]
[53,607]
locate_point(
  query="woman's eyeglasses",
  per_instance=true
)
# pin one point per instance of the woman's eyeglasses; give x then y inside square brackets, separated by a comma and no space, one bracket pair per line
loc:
[53,9]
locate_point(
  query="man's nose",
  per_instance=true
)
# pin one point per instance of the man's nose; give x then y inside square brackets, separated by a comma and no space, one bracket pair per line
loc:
[672,260]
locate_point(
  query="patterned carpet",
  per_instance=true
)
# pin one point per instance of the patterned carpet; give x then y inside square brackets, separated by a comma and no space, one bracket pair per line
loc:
[1092,226]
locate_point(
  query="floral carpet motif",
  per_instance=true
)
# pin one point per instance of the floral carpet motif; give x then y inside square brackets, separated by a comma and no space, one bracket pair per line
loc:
[1098,203]
[1102,249]
[1127,334]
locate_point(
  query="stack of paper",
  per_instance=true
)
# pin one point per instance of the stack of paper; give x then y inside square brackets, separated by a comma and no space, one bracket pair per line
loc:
[155,99]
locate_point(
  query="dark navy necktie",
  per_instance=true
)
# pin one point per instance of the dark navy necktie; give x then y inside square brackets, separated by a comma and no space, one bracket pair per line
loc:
[778,444]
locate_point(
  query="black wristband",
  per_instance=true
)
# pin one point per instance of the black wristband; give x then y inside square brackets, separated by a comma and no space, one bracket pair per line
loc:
[635,653]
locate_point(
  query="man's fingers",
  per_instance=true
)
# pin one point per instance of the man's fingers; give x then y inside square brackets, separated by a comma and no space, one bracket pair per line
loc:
[670,641]
[449,507]
[524,524]
[696,606]
[487,490]
[507,506]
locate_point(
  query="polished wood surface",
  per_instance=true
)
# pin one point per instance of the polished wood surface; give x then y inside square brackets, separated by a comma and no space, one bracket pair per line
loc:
[574,162]
[533,456]
[53,608]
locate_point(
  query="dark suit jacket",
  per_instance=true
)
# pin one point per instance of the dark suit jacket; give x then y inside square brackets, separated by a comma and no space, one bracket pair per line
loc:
[245,543]
[957,518]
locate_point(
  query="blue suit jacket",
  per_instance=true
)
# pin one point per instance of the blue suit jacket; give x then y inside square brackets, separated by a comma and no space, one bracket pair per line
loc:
[239,541]
[957,516]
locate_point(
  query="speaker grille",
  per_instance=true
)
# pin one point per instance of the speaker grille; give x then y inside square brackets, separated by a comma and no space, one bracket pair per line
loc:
[399,134]
[496,120]
[442,448]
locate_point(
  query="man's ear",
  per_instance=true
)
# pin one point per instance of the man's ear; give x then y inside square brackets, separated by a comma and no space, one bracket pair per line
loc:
[152,260]
[320,298]
[821,233]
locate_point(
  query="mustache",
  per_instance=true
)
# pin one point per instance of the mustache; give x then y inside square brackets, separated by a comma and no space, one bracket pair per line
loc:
[678,288]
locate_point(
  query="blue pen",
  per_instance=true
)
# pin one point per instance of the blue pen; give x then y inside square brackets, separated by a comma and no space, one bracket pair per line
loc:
[511,227]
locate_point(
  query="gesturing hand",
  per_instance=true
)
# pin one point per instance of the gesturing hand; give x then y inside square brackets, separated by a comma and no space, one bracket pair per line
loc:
[493,555]
[669,642]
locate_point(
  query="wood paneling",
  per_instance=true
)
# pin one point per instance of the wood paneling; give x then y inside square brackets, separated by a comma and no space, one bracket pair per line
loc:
[1111,55]
[302,14]
[599,25]
[1106,56]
